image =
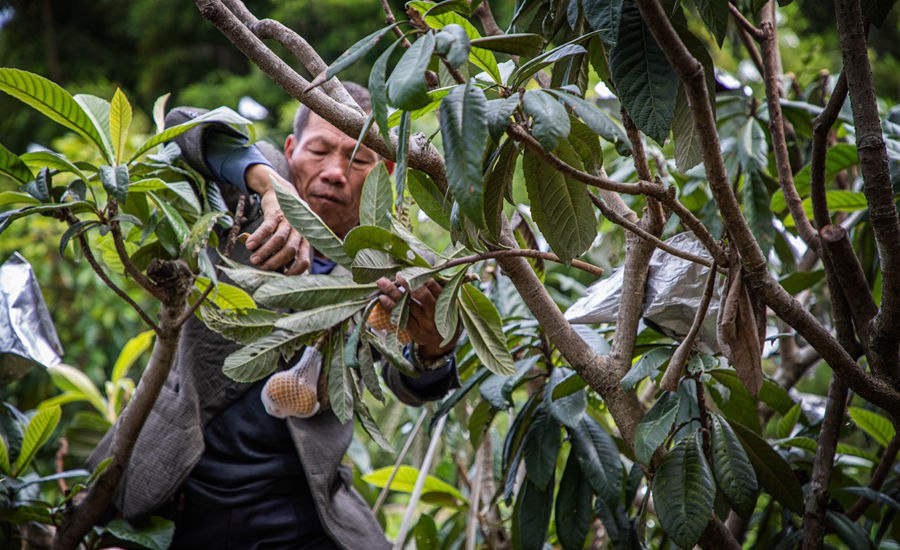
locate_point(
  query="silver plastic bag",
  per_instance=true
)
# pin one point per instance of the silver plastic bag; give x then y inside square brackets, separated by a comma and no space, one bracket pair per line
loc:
[27,334]
[673,294]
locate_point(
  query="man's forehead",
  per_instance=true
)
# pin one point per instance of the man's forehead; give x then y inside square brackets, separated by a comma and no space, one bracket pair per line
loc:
[320,130]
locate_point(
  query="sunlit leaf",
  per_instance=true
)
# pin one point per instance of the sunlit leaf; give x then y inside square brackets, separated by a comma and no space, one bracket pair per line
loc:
[485,330]
[119,123]
[38,431]
[13,166]
[310,225]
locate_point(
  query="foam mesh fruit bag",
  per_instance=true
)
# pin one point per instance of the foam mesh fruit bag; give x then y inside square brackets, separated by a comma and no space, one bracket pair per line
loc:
[293,392]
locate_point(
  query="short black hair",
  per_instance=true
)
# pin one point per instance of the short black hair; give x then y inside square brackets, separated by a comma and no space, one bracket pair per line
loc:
[359,94]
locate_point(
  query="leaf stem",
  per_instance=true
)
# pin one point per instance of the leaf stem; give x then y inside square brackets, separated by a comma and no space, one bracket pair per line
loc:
[519,252]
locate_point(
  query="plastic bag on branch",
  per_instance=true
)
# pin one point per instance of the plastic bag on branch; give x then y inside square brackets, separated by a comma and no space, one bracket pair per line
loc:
[27,334]
[673,294]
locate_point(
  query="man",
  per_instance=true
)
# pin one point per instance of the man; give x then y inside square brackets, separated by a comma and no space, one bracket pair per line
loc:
[209,456]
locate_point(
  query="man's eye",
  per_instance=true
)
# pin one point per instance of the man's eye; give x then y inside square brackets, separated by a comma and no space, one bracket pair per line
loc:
[317,152]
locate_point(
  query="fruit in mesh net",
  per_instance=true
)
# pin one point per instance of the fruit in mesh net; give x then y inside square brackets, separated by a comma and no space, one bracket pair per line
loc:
[380,320]
[293,392]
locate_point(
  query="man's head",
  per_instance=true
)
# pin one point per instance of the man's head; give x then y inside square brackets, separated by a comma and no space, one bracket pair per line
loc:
[318,156]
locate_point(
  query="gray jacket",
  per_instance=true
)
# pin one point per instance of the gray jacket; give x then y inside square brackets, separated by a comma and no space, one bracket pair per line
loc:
[171,441]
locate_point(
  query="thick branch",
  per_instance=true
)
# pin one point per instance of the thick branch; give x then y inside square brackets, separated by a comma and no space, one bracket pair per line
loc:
[885,330]
[772,74]
[816,503]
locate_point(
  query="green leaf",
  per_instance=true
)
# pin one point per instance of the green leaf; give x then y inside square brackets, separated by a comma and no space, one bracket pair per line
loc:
[524,44]
[222,115]
[573,506]
[13,166]
[839,157]
[352,55]
[4,457]
[52,101]
[260,357]
[40,187]
[402,159]
[406,86]
[756,208]
[560,206]
[876,426]
[38,431]
[370,265]
[485,331]
[684,491]
[598,457]
[446,310]
[531,516]
[567,410]
[648,365]
[119,123]
[97,109]
[310,291]
[787,422]
[244,326]
[497,113]
[69,379]
[732,469]
[159,112]
[715,16]
[849,531]
[597,120]
[752,147]
[569,385]
[52,160]
[453,43]
[464,132]
[604,16]
[645,82]
[320,318]
[541,447]
[687,139]
[497,184]
[17,197]
[550,123]
[378,91]
[798,281]
[480,57]
[131,352]
[182,231]
[225,296]
[426,533]
[738,404]
[521,75]
[428,197]
[339,383]
[653,429]
[370,426]
[405,480]
[370,237]
[155,535]
[377,199]
[310,225]
[839,200]
[773,473]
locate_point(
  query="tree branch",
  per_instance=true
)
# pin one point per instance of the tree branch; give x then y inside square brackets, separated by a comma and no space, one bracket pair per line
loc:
[669,381]
[888,458]
[486,16]
[523,253]
[885,329]
[744,23]
[390,20]
[130,268]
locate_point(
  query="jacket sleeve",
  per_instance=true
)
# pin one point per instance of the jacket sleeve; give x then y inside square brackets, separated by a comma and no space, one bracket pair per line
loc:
[431,385]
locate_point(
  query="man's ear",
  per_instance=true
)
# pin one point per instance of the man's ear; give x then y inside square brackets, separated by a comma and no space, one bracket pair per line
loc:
[289,143]
[389,164]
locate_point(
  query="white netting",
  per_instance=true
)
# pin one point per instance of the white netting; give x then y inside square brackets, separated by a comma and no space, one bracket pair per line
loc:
[293,392]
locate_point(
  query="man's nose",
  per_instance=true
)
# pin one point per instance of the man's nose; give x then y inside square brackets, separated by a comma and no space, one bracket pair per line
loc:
[335,169]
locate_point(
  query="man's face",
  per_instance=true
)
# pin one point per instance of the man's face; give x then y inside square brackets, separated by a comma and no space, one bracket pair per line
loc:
[323,174]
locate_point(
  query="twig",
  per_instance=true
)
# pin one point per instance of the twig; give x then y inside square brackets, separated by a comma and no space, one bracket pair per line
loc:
[744,23]
[486,16]
[750,45]
[420,483]
[60,467]
[193,307]
[639,157]
[400,458]
[520,252]
[682,353]
[888,457]
[821,127]
[390,20]
[235,228]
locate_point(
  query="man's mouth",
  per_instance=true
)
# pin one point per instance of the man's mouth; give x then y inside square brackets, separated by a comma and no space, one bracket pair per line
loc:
[327,198]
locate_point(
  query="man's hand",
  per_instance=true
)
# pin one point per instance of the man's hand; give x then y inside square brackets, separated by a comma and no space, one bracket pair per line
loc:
[275,244]
[420,326]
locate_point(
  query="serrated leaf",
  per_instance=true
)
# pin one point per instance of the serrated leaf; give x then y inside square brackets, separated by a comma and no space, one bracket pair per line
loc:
[715,16]
[156,534]
[370,265]
[17,197]
[53,102]
[567,410]
[378,91]
[320,318]
[480,57]
[597,120]
[197,240]
[653,429]
[531,516]
[260,358]
[13,166]
[550,122]
[402,159]
[370,237]
[738,404]
[453,43]
[446,310]
[773,473]
[684,491]
[173,217]
[876,426]
[310,291]
[370,426]
[685,135]
[38,431]
[752,147]
[225,296]
[351,55]
[788,421]
[52,160]
[244,326]
[310,225]
[560,206]
[732,469]
[524,44]
[406,86]
[542,444]
[119,123]
[604,16]
[598,457]
[377,200]
[249,278]
[644,80]
[573,506]
[222,115]
[428,197]
[497,184]
[485,331]
[97,109]
[339,390]
[464,132]
[527,69]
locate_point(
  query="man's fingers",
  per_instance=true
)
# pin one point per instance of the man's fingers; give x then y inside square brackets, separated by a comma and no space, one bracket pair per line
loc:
[262,233]
[273,246]
[302,258]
